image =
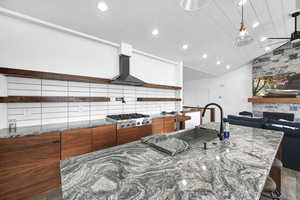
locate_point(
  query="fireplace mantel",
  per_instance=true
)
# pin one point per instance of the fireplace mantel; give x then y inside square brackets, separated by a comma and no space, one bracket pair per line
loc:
[273,100]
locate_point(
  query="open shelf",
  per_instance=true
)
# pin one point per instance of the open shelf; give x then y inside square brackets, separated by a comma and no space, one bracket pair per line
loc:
[273,100]
[40,99]
[156,99]
[69,77]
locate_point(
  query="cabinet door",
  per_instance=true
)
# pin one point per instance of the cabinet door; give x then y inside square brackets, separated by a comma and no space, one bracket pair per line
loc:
[76,142]
[169,124]
[144,131]
[127,135]
[157,126]
[29,165]
[104,137]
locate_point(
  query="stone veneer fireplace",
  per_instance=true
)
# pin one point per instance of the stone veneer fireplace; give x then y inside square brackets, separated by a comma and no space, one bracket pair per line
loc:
[280,61]
[259,108]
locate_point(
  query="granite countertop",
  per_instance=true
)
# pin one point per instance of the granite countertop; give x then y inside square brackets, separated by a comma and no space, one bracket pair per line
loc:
[157,116]
[235,169]
[52,128]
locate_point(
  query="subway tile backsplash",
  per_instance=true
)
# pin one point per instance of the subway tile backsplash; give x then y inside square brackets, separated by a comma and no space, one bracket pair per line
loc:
[28,114]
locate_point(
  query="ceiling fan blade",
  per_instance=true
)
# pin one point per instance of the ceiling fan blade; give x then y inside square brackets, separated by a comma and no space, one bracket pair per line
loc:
[279,38]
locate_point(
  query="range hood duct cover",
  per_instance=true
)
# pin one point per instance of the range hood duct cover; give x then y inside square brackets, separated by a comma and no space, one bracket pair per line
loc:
[124,77]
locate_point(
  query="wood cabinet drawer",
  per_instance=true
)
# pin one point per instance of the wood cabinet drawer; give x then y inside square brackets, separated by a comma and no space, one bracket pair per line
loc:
[29,180]
[28,150]
[157,126]
[29,165]
[127,135]
[76,142]
[169,124]
[104,137]
[163,125]
[144,131]
[20,143]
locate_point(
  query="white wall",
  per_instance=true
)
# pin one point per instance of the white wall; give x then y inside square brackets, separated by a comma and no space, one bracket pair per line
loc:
[27,45]
[231,91]
[3,106]
[28,114]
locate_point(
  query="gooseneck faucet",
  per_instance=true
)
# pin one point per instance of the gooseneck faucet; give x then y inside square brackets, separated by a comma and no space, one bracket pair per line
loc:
[220,135]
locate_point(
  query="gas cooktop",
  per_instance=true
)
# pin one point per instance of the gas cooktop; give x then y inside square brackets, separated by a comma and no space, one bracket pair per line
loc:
[130,120]
[127,116]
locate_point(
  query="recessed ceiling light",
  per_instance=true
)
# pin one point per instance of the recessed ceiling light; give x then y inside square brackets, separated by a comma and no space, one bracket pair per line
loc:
[204,56]
[255,24]
[218,62]
[155,32]
[102,6]
[242,2]
[263,39]
[185,47]
[267,49]
[228,66]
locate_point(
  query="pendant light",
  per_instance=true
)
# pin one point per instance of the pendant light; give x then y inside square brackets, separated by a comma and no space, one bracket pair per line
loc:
[192,5]
[243,37]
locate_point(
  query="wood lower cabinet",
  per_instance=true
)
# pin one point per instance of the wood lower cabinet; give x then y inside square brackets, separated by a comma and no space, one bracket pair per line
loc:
[169,124]
[144,131]
[104,137]
[158,126]
[76,142]
[127,135]
[29,166]
[163,125]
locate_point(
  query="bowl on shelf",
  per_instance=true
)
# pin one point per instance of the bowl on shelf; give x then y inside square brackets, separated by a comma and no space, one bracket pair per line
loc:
[282,92]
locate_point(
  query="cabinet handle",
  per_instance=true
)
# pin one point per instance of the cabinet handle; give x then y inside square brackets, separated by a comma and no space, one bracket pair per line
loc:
[56,142]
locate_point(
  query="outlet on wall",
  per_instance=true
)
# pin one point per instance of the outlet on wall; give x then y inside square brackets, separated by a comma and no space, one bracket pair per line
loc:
[121,99]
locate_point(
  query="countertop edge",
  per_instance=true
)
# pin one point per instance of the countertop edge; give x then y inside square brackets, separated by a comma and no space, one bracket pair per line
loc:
[27,131]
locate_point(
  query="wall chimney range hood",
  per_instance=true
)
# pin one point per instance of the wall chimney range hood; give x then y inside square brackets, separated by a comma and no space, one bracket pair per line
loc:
[124,77]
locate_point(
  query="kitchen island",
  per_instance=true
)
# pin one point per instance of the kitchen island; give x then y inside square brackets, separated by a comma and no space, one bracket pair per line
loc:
[234,169]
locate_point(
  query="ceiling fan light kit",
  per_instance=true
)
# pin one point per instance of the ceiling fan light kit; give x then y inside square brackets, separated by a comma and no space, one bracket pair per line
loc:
[192,5]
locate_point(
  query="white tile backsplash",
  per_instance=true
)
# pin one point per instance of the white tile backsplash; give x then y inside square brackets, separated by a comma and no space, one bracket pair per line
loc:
[23,80]
[55,83]
[28,114]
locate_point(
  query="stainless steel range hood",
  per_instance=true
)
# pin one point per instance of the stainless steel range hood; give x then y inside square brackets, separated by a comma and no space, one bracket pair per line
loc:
[124,77]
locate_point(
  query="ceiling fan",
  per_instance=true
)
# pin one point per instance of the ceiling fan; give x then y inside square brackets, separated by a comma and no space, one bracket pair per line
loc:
[295,36]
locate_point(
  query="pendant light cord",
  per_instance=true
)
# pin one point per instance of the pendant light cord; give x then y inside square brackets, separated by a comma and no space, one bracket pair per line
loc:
[242,14]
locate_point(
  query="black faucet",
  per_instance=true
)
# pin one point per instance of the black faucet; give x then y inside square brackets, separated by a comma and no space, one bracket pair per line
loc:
[220,135]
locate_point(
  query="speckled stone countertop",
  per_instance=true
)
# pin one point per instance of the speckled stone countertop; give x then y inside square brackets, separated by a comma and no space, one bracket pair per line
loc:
[51,128]
[157,116]
[235,169]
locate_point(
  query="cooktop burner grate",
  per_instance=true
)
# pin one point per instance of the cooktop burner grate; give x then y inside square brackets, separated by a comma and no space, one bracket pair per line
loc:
[127,116]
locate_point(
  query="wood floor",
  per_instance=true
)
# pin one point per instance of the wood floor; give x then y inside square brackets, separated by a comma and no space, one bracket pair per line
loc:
[290,188]
[290,185]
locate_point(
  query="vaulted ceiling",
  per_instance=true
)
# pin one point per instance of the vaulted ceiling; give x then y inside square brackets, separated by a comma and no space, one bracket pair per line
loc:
[211,30]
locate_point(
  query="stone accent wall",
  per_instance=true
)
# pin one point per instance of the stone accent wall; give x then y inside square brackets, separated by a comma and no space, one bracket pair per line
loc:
[259,108]
[285,59]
